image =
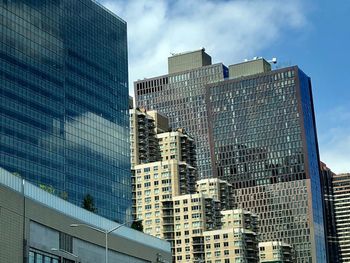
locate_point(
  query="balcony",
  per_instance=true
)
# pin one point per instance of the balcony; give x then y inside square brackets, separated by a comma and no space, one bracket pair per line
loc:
[168,222]
[168,229]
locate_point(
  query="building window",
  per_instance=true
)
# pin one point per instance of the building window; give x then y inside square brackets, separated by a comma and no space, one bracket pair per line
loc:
[39,257]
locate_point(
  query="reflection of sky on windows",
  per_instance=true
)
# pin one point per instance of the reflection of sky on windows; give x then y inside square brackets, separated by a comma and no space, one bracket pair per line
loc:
[65,100]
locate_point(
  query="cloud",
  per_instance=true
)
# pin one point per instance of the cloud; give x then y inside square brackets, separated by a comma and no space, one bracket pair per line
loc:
[334,139]
[229,30]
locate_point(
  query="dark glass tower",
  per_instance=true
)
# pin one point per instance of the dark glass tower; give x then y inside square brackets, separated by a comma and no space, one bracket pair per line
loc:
[263,138]
[64,100]
[327,177]
[180,96]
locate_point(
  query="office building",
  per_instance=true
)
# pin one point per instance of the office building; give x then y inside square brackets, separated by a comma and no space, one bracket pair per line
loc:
[329,213]
[64,101]
[262,129]
[35,228]
[180,96]
[341,197]
[275,252]
[262,140]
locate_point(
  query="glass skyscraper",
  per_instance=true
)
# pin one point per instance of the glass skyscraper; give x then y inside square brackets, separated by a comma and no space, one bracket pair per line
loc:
[64,100]
[180,96]
[262,128]
[257,131]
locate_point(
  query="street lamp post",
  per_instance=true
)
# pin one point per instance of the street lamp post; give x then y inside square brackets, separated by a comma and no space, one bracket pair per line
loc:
[105,232]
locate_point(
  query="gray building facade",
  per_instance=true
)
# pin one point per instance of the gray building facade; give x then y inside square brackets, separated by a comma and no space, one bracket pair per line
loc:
[35,228]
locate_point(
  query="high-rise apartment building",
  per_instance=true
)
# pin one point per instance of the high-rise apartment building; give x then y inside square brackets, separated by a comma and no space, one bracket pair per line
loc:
[180,95]
[231,245]
[163,167]
[64,100]
[144,127]
[240,218]
[193,214]
[236,241]
[263,137]
[275,252]
[341,197]
[217,189]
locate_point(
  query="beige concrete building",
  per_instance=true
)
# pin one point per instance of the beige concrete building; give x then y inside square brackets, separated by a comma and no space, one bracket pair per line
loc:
[236,241]
[156,183]
[240,218]
[275,252]
[168,170]
[177,145]
[231,245]
[193,214]
[35,227]
[217,189]
[175,207]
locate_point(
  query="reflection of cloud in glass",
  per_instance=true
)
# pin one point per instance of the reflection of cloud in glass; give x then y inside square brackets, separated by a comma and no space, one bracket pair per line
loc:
[38,35]
[92,133]
[97,134]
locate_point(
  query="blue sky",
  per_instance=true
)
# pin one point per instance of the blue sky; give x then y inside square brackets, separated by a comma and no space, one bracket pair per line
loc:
[312,34]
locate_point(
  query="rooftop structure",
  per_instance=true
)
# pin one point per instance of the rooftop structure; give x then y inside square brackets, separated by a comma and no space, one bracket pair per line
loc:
[188,60]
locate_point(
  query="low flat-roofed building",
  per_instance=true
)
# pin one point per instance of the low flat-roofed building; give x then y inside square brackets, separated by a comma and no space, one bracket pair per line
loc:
[35,227]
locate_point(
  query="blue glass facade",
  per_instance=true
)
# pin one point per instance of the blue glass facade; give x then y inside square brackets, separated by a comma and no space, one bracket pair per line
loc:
[313,165]
[64,100]
[263,133]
